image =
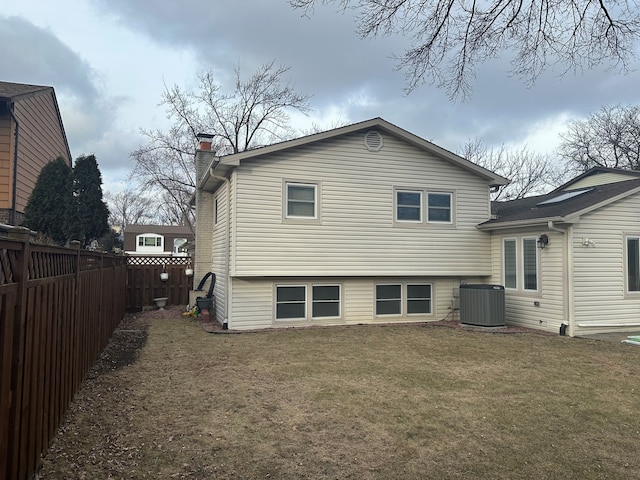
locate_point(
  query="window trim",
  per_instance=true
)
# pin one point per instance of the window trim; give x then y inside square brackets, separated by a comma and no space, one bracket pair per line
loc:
[317,188]
[276,303]
[424,207]
[396,205]
[442,222]
[515,262]
[627,290]
[141,241]
[522,263]
[308,302]
[375,299]
[404,299]
[315,200]
[313,301]
[407,285]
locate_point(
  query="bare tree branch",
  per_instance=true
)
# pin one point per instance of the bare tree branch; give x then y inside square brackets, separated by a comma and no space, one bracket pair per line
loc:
[609,138]
[530,173]
[451,37]
[253,114]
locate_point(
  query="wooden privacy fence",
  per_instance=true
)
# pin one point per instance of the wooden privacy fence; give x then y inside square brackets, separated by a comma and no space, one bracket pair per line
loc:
[144,282]
[58,309]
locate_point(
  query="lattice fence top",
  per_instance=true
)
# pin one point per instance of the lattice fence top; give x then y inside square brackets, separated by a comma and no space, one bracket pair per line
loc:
[157,260]
[7,261]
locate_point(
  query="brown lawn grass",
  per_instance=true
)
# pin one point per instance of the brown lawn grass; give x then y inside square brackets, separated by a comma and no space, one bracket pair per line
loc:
[364,402]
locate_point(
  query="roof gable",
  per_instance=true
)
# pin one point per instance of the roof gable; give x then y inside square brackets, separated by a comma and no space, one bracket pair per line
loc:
[599,176]
[372,143]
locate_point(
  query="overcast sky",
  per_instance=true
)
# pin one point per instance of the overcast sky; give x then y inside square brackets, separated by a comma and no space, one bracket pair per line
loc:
[109,60]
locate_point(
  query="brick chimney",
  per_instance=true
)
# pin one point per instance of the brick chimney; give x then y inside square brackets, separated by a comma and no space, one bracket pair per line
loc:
[205,139]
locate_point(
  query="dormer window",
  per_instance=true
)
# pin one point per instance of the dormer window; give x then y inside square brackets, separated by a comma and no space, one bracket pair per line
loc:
[149,243]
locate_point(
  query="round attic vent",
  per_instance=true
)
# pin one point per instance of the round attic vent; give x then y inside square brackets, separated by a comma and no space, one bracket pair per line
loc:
[373,141]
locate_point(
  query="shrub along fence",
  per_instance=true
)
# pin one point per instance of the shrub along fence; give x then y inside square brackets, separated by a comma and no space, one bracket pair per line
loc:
[144,282]
[58,309]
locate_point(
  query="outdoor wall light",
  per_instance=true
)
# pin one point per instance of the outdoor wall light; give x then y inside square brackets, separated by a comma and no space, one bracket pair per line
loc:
[164,276]
[543,241]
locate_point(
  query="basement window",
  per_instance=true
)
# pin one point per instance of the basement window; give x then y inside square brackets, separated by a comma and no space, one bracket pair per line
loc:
[291,302]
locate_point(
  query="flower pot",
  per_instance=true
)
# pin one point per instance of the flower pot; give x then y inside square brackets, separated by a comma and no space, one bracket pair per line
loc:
[189,272]
[160,302]
[164,276]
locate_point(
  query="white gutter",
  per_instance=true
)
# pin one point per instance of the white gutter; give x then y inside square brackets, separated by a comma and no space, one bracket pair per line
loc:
[521,223]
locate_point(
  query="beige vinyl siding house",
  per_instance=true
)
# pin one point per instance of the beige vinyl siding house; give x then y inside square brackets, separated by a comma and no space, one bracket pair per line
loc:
[586,276]
[366,223]
[543,306]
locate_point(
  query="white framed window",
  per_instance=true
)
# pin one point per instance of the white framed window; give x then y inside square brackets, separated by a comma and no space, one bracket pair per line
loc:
[150,241]
[389,299]
[408,206]
[633,264]
[530,264]
[439,207]
[325,301]
[301,200]
[398,298]
[510,263]
[291,302]
[418,298]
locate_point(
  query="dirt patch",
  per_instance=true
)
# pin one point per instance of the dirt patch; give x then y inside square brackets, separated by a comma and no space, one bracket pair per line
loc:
[125,343]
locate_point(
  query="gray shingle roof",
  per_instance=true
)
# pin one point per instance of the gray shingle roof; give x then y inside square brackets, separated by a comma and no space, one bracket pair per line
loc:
[11,90]
[532,209]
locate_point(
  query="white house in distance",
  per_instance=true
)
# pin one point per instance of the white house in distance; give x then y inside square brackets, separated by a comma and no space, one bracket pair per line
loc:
[147,239]
[362,224]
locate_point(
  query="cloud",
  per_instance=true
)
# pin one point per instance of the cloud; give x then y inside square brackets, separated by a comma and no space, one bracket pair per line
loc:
[33,55]
[135,46]
[37,56]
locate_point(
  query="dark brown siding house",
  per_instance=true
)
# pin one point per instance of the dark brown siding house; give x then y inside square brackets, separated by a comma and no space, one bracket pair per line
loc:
[31,135]
[157,239]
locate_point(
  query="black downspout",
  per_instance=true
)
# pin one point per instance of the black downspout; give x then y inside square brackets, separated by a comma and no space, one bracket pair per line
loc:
[12,214]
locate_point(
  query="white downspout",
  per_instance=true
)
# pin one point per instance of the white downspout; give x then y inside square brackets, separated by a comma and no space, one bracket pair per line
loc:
[567,293]
[226,244]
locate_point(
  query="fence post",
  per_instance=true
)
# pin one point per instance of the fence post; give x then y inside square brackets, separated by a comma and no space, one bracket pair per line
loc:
[21,275]
[77,343]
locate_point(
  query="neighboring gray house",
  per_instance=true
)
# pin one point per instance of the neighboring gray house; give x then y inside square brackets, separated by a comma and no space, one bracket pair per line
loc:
[157,239]
[572,255]
[366,223]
